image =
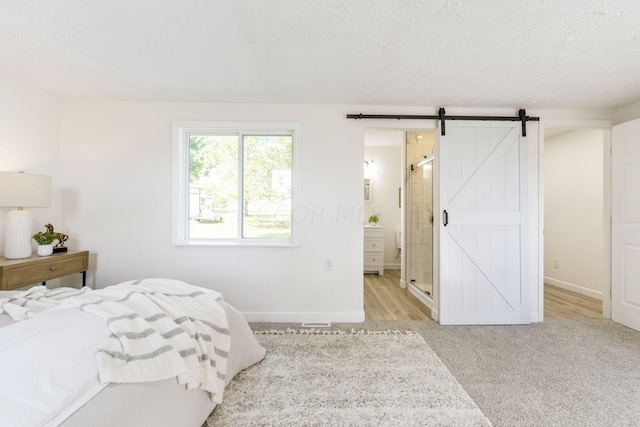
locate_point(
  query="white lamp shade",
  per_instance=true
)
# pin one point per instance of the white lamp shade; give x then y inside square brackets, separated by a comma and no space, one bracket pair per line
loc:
[19,189]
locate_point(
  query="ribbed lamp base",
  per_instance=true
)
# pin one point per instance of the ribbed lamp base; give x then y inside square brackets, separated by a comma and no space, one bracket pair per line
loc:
[18,235]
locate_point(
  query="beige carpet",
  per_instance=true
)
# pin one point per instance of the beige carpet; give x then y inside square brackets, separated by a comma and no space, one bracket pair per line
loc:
[563,372]
[344,379]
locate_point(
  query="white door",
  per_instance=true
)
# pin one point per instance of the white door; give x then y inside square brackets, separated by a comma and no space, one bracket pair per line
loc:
[483,224]
[625,232]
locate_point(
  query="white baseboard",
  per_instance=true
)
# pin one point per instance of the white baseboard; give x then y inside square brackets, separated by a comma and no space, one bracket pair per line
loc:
[403,284]
[392,266]
[302,317]
[573,287]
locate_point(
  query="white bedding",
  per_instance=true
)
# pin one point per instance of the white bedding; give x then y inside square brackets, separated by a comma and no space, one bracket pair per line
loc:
[4,318]
[48,367]
[164,403]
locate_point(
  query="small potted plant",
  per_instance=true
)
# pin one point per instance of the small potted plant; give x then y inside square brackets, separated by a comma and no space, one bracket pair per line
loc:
[373,220]
[45,242]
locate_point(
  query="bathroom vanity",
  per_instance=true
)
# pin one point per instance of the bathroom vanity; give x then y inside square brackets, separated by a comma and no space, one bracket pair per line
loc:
[374,249]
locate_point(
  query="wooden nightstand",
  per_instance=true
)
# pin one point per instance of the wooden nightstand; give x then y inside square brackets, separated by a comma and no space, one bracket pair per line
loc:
[16,273]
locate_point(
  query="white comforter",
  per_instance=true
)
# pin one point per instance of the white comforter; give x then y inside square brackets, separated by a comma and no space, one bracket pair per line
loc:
[48,364]
[48,367]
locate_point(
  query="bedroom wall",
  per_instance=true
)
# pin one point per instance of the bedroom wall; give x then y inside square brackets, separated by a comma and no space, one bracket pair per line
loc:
[117,198]
[573,211]
[30,142]
[117,193]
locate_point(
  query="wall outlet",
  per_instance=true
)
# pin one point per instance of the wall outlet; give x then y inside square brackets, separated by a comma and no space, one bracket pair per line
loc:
[556,263]
[328,264]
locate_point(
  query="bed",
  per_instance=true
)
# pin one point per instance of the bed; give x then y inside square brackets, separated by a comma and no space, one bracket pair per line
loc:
[49,375]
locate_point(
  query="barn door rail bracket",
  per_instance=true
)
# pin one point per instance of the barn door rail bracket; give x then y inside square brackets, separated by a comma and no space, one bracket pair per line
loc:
[442,116]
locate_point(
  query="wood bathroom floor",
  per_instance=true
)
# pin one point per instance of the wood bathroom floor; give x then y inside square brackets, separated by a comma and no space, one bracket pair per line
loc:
[384,299]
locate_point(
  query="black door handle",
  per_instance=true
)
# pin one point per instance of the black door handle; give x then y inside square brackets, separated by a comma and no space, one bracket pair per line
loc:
[445,218]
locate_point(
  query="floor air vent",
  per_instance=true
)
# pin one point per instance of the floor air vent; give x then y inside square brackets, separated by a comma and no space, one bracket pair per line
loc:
[315,324]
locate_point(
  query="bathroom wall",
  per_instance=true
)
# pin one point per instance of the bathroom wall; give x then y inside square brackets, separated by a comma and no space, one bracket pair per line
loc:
[385,174]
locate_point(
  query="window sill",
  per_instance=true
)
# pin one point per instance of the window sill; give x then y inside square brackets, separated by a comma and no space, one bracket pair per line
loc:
[204,244]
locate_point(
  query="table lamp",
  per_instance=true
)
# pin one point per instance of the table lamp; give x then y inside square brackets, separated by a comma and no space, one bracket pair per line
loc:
[21,190]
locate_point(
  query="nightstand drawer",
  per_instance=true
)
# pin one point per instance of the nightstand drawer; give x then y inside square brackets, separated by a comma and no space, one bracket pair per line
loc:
[19,273]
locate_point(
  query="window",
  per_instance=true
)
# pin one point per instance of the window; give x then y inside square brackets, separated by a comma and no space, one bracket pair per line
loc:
[234,183]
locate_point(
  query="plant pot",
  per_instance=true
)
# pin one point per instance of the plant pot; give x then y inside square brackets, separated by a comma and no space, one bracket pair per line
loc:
[45,250]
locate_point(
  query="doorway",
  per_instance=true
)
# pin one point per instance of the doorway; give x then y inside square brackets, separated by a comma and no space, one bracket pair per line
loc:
[385,292]
[574,222]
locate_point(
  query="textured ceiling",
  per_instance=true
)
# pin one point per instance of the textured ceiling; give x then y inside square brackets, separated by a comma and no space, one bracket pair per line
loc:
[492,53]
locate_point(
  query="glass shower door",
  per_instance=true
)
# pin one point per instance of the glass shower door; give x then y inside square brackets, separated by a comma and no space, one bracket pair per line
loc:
[419,212]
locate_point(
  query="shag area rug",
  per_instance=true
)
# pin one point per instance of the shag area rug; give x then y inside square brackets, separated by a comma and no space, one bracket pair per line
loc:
[336,378]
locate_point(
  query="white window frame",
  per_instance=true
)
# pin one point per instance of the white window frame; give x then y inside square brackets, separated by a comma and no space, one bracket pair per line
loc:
[180,179]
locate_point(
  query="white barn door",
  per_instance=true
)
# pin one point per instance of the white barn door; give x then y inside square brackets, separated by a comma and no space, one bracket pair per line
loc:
[483,224]
[625,232]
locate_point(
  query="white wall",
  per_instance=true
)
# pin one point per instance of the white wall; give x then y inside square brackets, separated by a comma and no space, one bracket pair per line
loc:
[30,142]
[573,176]
[117,180]
[116,172]
[385,174]
[112,167]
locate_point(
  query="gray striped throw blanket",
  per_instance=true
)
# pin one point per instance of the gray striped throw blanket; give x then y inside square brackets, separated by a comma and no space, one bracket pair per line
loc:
[160,328]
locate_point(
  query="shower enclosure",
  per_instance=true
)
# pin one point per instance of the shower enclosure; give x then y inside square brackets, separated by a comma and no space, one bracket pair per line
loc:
[418,226]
